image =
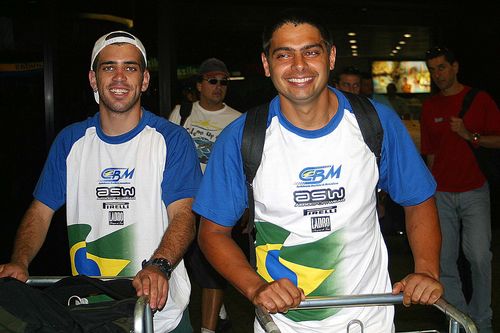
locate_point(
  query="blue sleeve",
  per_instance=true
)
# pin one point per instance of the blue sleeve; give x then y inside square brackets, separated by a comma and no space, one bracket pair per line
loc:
[182,174]
[403,173]
[51,186]
[222,197]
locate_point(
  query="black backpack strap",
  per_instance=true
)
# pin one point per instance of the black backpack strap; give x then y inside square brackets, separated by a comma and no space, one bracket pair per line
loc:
[466,103]
[185,112]
[368,121]
[252,146]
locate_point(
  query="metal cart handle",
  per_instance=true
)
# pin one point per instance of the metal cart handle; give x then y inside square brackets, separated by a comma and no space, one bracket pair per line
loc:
[143,316]
[456,316]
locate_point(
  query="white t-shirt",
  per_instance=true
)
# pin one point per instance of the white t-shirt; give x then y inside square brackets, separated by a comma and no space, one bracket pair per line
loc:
[315,209]
[204,126]
[116,191]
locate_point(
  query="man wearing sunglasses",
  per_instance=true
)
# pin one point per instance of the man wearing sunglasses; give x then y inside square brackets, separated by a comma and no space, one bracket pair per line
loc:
[205,122]
[209,115]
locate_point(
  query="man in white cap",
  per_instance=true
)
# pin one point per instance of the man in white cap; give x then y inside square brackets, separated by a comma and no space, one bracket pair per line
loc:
[127,178]
[205,120]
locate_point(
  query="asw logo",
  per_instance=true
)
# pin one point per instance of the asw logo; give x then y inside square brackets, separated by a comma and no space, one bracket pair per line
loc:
[317,175]
[116,174]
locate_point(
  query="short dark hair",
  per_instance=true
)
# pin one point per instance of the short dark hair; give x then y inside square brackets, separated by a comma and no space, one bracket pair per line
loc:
[296,17]
[350,70]
[437,51]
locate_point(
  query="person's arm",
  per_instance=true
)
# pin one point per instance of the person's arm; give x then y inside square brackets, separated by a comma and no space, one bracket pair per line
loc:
[180,232]
[227,258]
[487,141]
[424,236]
[29,239]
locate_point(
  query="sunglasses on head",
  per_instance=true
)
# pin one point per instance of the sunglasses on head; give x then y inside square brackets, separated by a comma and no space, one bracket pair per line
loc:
[214,81]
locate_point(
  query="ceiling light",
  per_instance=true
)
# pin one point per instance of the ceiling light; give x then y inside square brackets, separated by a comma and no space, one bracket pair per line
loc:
[402,42]
[394,51]
[352,41]
[407,35]
[354,54]
[111,18]
[398,47]
[351,34]
[354,46]
[391,54]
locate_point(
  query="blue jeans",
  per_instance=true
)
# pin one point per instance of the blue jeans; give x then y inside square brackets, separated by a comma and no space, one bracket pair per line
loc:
[467,213]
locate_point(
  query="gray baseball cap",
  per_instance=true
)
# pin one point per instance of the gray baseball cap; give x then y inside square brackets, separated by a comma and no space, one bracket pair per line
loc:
[212,65]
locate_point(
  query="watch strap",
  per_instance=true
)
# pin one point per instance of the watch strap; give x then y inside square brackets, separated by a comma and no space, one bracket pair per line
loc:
[163,265]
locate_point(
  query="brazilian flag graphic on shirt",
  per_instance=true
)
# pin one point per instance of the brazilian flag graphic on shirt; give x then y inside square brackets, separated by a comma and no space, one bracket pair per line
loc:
[310,266]
[106,256]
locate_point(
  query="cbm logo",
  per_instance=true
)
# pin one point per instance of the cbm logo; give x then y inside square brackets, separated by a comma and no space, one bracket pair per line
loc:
[117,174]
[317,175]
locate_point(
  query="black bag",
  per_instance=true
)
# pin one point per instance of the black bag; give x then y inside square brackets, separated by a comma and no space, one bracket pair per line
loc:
[488,159]
[27,309]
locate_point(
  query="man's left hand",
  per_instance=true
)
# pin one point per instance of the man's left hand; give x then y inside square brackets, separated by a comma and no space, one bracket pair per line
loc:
[151,281]
[418,288]
[457,126]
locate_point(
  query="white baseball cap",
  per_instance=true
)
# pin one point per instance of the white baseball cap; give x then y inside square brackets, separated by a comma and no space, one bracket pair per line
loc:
[112,38]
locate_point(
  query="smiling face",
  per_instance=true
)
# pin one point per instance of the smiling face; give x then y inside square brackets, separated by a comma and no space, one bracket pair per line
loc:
[299,63]
[119,78]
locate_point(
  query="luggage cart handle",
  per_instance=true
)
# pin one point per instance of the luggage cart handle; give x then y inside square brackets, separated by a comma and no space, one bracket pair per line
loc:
[457,315]
[143,316]
[367,300]
[266,321]
[45,281]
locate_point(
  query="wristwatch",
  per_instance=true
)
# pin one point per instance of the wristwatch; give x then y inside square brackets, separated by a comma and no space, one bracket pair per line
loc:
[475,139]
[163,264]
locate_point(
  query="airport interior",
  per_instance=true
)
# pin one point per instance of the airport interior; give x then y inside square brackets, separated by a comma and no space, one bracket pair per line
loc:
[45,49]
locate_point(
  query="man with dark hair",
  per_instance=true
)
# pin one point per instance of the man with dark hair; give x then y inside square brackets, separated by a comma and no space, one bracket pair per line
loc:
[462,197]
[317,232]
[128,178]
[349,80]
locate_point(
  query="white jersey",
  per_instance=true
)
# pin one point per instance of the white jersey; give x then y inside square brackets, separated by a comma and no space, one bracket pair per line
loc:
[116,191]
[317,223]
[204,126]
[315,209]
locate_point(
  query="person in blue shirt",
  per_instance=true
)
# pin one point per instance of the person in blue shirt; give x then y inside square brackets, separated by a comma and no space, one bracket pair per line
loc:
[127,178]
[317,232]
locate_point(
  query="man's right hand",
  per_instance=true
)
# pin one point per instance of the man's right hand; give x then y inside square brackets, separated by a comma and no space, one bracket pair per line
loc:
[14,270]
[278,296]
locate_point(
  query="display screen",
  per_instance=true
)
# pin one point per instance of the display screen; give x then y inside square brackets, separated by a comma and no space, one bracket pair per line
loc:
[409,76]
